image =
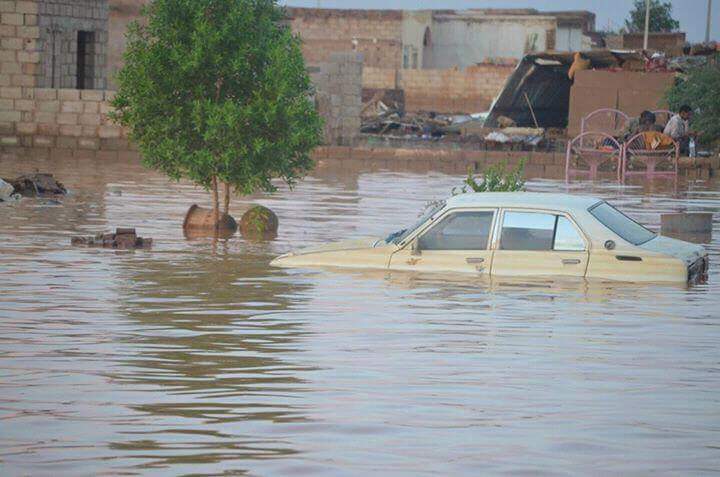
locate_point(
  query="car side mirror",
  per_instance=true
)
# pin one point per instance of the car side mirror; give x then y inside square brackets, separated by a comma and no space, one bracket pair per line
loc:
[415,248]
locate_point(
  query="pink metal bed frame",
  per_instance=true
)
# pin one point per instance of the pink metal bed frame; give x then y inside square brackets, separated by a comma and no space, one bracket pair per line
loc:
[615,122]
[636,151]
[594,149]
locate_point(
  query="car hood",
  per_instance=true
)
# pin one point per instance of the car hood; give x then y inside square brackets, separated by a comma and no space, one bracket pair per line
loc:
[685,251]
[354,244]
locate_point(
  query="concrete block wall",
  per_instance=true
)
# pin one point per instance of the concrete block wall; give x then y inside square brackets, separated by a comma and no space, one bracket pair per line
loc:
[58,118]
[59,23]
[339,97]
[445,91]
[20,44]
[377,34]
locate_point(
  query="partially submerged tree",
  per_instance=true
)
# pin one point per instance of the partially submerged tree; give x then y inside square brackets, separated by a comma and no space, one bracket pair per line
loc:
[661,19]
[700,89]
[216,91]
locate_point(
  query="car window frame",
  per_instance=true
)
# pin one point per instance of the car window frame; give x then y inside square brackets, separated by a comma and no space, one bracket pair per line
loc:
[604,202]
[434,221]
[501,221]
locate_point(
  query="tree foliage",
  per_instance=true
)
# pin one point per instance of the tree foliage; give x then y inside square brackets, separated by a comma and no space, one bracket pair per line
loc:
[496,179]
[700,89]
[661,19]
[217,91]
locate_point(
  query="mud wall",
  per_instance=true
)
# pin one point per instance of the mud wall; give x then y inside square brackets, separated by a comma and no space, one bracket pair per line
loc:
[630,92]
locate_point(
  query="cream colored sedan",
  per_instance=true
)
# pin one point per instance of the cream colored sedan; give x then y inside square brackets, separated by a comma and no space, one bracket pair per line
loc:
[519,234]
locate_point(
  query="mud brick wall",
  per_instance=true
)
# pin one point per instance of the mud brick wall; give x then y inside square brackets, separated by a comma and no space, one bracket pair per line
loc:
[446,91]
[58,118]
[19,44]
[339,97]
[377,34]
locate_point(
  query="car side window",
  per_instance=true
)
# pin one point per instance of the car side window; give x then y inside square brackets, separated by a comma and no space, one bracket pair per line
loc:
[567,238]
[527,231]
[539,231]
[459,231]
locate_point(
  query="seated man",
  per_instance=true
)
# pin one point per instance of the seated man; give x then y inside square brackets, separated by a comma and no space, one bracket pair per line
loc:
[646,122]
[678,128]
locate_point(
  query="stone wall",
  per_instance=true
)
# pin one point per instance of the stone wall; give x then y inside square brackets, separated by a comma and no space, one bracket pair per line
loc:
[377,34]
[445,91]
[339,96]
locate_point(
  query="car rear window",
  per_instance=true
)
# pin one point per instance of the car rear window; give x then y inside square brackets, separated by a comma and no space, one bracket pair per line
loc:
[621,224]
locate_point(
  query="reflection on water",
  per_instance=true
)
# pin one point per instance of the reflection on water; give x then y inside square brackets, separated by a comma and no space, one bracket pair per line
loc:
[197,358]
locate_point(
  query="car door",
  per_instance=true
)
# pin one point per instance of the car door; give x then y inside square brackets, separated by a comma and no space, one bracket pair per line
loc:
[457,242]
[532,243]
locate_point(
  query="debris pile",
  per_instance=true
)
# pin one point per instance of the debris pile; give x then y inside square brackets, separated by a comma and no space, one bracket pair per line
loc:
[37,185]
[381,115]
[382,119]
[122,239]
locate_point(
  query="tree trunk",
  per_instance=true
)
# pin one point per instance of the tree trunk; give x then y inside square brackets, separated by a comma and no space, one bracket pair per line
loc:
[216,202]
[226,204]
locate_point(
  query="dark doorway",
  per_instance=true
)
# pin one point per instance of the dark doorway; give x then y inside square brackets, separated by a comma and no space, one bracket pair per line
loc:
[85,59]
[427,49]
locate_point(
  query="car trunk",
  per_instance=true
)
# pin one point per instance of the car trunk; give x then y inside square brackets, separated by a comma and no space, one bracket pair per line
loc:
[687,252]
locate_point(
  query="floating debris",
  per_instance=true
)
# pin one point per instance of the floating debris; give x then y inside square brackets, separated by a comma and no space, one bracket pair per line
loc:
[7,192]
[37,185]
[122,239]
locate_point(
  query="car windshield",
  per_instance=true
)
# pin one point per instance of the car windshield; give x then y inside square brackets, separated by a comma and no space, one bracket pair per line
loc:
[400,235]
[621,224]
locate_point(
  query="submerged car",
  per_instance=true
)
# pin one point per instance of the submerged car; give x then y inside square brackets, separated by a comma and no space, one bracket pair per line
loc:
[519,234]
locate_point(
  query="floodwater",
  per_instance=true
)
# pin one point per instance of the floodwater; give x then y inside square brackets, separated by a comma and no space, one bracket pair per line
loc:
[197,358]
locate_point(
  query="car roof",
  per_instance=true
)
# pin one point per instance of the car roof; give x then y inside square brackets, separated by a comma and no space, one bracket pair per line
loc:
[528,200]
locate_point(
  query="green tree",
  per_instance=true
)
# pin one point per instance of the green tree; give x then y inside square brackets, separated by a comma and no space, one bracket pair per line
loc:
[661,19]
[216,91]
[496,179]
[700,89]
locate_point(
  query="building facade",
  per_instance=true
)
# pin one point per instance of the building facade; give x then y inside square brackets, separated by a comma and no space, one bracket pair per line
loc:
[439,39]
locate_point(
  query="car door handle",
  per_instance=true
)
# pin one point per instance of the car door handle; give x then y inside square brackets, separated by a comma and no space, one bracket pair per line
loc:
[571,261]
[474,261]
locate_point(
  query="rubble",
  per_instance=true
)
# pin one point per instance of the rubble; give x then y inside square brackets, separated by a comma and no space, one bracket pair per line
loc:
[37,185]
[122,239]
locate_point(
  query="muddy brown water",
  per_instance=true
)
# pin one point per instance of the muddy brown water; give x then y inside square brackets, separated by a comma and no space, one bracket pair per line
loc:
[197,358]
